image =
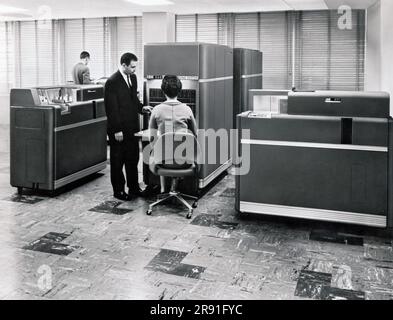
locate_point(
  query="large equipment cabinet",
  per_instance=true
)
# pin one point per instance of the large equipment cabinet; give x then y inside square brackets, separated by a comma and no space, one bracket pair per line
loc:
[58,135]
[330,159]
[247,75]
[206,72]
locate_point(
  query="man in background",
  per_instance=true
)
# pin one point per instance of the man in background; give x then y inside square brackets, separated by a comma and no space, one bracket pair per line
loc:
[123,107]
[81,72]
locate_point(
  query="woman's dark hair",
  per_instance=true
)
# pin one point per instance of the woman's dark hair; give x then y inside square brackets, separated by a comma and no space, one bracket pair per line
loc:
[171,86]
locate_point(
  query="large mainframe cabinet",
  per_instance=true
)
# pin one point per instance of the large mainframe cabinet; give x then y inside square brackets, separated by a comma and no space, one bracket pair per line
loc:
[247,75]
[206,72]
[58,135]
[330,158]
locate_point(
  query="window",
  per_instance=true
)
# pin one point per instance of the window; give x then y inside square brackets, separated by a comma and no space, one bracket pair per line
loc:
[328,58]
[320,57]
[308,47]
[129,39]
[186,28]
[268,32]
[45,54]
[207,28]
[36,53]
[276,45]
[74,43]
[27,75]
[94,44]
[3,59]
[246,31]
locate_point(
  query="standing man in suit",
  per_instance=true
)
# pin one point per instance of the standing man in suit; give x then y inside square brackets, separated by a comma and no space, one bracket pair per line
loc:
[123,107]
[81,72]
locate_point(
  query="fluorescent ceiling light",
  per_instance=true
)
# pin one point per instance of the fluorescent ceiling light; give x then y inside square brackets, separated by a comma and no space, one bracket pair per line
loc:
[151,2]
[15,16]
[307,4]
[12,10]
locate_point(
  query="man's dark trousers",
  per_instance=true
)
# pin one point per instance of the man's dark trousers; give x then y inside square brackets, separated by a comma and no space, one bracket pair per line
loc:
[124,154]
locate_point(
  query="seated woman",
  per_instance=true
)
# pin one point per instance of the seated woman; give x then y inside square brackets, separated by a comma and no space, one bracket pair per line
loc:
[172,115]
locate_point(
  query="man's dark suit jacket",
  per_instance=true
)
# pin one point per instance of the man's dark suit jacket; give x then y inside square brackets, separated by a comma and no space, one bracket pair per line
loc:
[122,106]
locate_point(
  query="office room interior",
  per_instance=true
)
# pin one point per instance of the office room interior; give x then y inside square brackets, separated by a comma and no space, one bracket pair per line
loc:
[183,150]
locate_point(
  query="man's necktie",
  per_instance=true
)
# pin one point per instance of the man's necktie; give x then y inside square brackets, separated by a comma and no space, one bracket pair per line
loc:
[128,81]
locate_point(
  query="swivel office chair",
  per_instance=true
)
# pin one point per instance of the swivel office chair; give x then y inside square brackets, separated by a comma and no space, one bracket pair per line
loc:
[176,155]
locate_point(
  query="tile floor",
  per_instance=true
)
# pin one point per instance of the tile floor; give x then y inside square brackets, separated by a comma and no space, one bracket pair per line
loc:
[83,244]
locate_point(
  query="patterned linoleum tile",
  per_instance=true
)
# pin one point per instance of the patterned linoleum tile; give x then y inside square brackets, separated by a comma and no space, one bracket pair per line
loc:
[321,266]
[249,282]
[378,253]
[24,199]
[169,261]
[208,290]
[313,284]
[342,277]
[111,207]
[188,271]
[343,294]
[210,220]
[276,290]
[174,292]
[324,286]
[51,243]
[333,237]
[258,259]
[283,272]
[229,193]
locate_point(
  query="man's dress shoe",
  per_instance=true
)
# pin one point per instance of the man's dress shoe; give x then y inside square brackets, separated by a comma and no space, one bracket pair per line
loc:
[135,192]
[122,196]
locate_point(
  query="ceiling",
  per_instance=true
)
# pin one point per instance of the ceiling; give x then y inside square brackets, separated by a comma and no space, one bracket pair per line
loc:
[55,9]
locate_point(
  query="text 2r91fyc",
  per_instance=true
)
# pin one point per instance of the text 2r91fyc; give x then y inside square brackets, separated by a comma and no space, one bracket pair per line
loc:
[226,309]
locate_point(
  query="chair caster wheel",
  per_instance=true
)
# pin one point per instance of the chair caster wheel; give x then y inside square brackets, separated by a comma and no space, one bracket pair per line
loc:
[189,215]
[195,205]
[149,212]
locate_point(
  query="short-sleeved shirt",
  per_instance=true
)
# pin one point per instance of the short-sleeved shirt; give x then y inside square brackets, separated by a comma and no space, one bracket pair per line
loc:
[173,116]
[81,74]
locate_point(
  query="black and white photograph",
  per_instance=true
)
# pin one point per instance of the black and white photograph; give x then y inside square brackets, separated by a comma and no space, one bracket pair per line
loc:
[210,152]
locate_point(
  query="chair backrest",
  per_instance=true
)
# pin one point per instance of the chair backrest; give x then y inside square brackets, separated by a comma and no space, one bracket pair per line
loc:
[176,150]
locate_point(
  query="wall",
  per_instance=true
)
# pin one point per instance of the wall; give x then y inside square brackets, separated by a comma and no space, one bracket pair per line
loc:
[158,27]
[373,49]
[379,66]
[387,47]
[4,109]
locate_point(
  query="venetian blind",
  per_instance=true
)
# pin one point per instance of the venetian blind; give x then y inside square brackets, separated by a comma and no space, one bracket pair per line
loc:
[207,28]
[275,43]
[268,32]
[129,39]
[246,33]
[45,53]
[94,44]
[73,44]
[3,59]
[328,58]
[186,28]
[28,55]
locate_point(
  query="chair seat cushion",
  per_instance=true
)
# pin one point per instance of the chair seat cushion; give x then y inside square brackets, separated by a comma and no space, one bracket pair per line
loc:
[175,166]
[176,173]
